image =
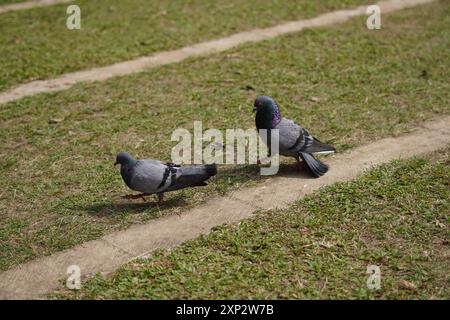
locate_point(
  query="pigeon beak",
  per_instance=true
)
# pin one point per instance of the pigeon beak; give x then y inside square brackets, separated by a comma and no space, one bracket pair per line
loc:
[115,164]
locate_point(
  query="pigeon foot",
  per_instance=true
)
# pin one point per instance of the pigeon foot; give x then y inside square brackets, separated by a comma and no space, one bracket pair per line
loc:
[158,204]
[263,161]
[299,165]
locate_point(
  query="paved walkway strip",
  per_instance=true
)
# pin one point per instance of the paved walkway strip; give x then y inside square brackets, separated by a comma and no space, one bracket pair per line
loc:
[44,275]
[167,57]
[29,4]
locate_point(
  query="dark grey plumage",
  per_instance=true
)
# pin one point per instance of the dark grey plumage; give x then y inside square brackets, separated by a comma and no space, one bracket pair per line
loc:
[294,141]
[156,177]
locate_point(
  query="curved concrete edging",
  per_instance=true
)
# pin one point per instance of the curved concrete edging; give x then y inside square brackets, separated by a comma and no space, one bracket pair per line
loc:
[29,5]
[42,276]
[67,80]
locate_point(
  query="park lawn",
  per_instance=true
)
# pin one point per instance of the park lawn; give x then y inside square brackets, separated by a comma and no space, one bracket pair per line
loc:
[348,85]
[36,44]
[394,217]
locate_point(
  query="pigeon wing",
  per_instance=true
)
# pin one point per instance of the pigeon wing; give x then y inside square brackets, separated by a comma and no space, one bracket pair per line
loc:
[318,147]
[291,137]
[294,139]
[151,176]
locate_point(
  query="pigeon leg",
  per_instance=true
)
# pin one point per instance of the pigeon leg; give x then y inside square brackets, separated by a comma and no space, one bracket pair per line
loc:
[134,196]
[160,200]
[299,164]
[262,160]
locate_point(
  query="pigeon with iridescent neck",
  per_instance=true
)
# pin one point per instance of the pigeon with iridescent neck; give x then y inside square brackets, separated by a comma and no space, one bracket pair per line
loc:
[293,140]
[157,177]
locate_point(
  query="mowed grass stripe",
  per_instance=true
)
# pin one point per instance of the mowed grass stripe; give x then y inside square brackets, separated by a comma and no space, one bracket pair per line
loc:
[59,187]
[37,45]
[394,217]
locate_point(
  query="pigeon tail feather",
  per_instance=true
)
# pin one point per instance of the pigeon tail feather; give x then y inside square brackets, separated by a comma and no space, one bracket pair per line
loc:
[317,167]
[193,176]
[319,147]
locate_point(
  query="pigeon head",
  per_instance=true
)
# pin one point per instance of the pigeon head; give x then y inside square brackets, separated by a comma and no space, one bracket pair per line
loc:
[124,158]
[267,112]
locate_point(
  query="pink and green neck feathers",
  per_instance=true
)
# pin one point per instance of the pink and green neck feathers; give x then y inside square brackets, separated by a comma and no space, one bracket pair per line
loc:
[268,114]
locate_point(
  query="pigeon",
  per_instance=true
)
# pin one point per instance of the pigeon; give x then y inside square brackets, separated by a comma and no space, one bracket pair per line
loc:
[294,141]
[154,176]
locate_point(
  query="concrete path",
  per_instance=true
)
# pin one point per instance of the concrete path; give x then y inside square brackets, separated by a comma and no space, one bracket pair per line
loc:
[162,58]
[44,275]
[29,4]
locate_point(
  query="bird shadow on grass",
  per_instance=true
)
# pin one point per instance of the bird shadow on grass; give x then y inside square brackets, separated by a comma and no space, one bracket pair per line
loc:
[229,177]
[252,172]
[290,171]
[121,206]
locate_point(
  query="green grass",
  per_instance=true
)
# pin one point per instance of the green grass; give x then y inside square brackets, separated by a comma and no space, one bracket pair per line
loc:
[394,217]
[35,43]
[59,187]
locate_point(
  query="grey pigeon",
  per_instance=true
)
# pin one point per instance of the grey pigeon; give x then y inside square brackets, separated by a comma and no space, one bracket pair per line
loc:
[154,176]
[294,141]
